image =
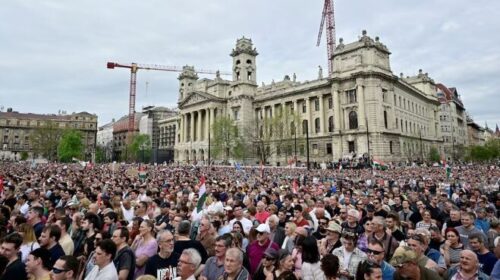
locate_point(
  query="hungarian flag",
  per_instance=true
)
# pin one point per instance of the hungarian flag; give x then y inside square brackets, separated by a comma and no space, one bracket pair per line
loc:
[446,167]
[340,166]
[379,164]
[202,194]
[1,184]
[295,186]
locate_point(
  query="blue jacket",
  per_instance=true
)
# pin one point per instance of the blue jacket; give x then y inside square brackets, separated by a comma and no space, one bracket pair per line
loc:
[387,271]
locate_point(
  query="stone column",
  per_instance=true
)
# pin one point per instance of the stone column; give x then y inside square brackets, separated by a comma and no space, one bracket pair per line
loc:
[191,129]
[321,116]
[361,102]
[198,126]
[309,113]
[336,110]
[207,122]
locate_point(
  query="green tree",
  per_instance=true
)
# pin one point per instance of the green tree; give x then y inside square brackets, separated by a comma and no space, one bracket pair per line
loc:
[100,154]
[45,140]
[24,155]
[226,142]
[434,155]
[484,153]
[139,148]
[70,146]
[276,135]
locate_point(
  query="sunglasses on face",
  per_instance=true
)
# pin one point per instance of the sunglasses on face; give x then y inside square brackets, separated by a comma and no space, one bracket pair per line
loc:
[375,252]
[57,270]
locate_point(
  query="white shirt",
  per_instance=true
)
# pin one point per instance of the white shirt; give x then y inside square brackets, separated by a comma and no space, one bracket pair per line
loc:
[128,214]
[247,224]
[24,208]
[106,273]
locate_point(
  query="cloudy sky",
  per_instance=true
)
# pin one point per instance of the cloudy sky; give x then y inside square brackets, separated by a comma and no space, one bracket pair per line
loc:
[53,54]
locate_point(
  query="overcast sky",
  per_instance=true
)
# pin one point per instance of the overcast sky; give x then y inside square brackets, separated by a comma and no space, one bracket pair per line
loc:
[53,54]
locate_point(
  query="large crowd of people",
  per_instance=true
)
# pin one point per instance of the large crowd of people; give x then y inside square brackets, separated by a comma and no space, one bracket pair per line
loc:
[99,222]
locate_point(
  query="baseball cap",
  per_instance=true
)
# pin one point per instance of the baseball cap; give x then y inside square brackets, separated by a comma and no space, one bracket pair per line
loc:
[403,254]
[263,228]
[271,253]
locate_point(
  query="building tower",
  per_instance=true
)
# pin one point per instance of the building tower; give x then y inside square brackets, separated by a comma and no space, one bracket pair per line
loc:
[187,79]
[244,67]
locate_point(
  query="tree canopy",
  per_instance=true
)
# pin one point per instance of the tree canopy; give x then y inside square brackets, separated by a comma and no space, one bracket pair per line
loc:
[45,140]
[226,142]
[139,148]
[70,146]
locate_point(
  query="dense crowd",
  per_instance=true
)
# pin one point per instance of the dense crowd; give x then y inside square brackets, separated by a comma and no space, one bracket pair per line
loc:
[122,221]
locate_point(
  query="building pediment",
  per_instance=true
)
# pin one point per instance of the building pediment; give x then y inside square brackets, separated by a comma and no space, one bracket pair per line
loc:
[198,98]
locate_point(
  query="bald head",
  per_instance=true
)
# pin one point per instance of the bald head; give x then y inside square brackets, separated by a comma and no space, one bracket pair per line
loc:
[301,231]
[468,261]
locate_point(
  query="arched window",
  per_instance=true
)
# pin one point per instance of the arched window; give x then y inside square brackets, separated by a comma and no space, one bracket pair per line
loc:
[330,124]
[317,126]
[353,120]
[304,126]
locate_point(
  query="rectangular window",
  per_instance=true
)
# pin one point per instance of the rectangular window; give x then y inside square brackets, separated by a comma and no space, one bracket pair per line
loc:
[328,148]
[330,103]
[351,96]
[351,146]
[304,107]
[236,114]
[316,104]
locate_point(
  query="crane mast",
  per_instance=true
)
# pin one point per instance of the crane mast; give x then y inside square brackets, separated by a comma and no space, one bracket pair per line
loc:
[134,67]
[328,15]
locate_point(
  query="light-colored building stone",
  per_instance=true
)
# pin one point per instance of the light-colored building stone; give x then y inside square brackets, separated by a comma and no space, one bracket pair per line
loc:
[475,133]
[105,140]
[453,122]
[362,109]
[17,128]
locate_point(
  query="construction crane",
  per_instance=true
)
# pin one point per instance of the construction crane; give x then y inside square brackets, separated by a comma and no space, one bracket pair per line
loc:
[133,82]
[328,16]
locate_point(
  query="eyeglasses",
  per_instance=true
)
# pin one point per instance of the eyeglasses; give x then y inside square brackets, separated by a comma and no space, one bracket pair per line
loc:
[375,252]
[57,270]
[343,212]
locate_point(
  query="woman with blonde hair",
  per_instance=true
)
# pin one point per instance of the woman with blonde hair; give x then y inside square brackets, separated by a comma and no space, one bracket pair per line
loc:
[289,242]
[29,240]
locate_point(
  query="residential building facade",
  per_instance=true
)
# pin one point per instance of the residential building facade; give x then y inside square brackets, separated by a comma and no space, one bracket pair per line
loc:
[17,129]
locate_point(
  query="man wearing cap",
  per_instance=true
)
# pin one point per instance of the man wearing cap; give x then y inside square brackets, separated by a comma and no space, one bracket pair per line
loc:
[405,262]
[332,239]
[266,267]
[257,248]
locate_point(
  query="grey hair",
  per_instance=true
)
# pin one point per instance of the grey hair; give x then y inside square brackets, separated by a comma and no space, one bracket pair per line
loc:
[353,212]
[379,220]
[235,252]
[193,255]
[273,218]
[162,232]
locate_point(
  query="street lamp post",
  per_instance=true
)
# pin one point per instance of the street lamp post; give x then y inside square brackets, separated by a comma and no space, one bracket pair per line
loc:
[307,145]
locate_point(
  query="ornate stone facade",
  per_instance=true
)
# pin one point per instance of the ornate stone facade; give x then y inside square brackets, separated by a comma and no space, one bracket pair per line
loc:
[363,108]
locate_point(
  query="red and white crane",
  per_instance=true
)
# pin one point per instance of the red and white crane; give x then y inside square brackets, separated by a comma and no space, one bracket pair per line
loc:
[328,16]
[133,81]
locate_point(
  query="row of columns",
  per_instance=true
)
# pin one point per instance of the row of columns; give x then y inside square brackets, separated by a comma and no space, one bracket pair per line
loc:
[309,115]
[201,119]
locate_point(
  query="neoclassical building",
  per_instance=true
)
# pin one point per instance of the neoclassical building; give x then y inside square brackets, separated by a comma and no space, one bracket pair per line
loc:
[361,109]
